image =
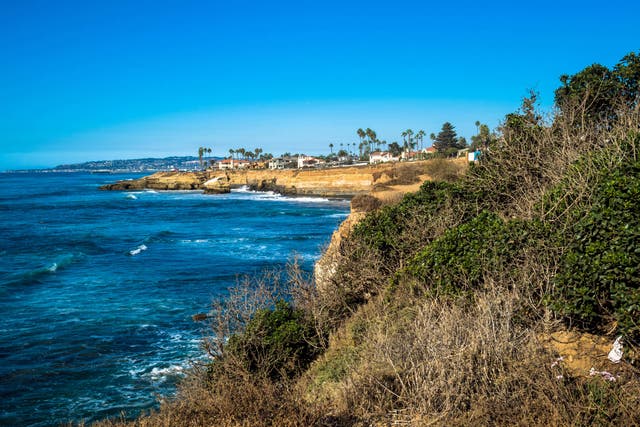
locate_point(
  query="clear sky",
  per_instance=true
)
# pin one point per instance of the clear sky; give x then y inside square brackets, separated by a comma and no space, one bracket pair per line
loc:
[96,80]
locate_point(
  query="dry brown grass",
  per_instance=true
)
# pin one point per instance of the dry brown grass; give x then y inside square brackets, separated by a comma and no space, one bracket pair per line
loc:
[445,362]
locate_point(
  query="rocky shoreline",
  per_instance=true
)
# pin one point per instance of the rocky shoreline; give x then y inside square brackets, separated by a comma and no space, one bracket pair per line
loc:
[334,182]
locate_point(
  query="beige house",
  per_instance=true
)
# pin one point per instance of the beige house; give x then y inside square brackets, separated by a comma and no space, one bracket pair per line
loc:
[233,164]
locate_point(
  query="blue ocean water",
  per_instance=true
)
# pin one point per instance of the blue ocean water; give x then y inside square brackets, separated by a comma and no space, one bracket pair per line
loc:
[97,288]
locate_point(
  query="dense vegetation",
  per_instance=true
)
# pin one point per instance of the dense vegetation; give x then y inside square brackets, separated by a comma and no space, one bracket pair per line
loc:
[439,305]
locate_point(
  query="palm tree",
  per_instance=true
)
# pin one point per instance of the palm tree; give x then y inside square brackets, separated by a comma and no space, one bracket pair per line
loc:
[373,137]
[477,127]
[361,134]
[420,137]
[201,151]
[406,135]
[331,147]
[231,151]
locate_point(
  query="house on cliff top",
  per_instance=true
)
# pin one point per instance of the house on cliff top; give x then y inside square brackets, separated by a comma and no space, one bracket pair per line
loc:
[282,163]
[382,157]
[232,163]
[309,162]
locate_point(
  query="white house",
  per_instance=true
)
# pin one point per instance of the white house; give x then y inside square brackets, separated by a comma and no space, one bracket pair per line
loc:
[308,161]
[381,157]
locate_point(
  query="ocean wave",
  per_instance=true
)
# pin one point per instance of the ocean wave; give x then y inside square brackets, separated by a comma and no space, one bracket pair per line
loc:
[273,196]
[194,241]
[29,277]
[157,373]
[138,250]
[160,236]
[131,196]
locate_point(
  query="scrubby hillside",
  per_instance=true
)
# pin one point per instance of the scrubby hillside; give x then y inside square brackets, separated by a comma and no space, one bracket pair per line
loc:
[454,306]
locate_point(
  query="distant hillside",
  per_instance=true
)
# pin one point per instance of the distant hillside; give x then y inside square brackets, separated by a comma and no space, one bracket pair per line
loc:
[133,165]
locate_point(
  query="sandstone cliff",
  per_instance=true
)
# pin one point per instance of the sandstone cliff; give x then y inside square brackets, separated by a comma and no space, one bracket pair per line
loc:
[334,182]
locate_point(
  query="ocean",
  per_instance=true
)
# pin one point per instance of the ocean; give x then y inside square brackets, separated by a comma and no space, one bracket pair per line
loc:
[98,288]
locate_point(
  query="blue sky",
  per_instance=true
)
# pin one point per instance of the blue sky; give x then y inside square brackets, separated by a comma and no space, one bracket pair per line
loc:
[92,80]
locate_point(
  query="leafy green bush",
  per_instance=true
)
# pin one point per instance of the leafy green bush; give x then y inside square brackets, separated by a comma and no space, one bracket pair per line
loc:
[386,229]
[277,343]
[600,277]
[456,262]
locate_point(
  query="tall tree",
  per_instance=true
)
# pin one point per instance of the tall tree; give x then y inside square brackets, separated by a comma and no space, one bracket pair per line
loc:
[447,138]
[407,138]
[200,154]
[420,136]
[599,90]
[372,137]
[483,139]
[395,149]
[331,147]
[361,134]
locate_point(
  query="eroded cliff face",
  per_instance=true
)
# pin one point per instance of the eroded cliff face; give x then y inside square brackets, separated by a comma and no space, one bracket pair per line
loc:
[325,267]
[333,182]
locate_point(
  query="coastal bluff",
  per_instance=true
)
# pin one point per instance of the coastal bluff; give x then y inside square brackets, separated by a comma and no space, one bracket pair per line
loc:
[330,182]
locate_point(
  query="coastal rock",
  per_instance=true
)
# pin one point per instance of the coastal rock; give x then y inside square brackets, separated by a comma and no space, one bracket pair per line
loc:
[217,185]
[162,181]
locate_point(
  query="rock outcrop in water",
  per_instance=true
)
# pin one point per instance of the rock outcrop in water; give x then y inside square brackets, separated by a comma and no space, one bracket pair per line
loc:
[162,181]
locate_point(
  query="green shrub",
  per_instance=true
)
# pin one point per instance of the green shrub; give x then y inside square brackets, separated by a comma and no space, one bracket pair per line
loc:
[600,277]
[277,343]
[336,365]
[385,230]
[457,262]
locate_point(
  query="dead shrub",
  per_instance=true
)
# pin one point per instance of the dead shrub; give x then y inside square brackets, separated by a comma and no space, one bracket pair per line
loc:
[365,203]
[444,169]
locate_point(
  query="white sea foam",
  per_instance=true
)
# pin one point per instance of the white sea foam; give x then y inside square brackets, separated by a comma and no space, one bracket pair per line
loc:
[131,196]
[137,250]
[194,241]
[243,189]
[53,267]
[161,374]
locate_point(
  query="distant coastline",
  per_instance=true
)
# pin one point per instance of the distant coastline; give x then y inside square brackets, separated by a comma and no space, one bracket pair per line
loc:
[141,165]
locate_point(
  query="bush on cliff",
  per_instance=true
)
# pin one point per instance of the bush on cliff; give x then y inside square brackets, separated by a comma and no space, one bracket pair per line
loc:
[457,262]
[599,281]
[277,343]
